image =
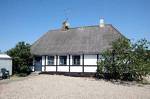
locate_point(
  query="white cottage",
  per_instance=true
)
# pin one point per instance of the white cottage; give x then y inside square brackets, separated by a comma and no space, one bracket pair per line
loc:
[6,62]
[73,49]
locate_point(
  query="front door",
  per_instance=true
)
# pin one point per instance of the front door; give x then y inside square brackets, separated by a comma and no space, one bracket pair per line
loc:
[38,63]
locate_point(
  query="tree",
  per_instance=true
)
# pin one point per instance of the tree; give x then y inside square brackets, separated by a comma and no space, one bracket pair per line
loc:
[140,59]
[125,60]
[22,57]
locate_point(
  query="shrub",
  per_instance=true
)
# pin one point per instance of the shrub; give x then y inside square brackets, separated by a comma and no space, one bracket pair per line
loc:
[125,61]
[22,58]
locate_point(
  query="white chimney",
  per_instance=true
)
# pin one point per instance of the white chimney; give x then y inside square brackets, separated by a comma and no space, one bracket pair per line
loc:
[102,23]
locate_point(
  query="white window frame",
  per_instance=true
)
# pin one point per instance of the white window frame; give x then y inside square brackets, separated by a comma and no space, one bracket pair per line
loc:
[64,60]
[50,60]
[75,60]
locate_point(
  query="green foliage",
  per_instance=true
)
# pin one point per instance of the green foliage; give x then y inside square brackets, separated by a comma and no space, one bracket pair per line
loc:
[140,58]
[125,61]
[22,57]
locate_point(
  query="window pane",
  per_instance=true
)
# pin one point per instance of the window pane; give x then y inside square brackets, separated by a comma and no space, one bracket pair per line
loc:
[63,60]
[50,60]
[76,60]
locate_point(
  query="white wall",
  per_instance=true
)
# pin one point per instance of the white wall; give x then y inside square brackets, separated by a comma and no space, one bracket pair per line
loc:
[7,64]
[81,59]
[70,59]
[51,68]
[90,59]
[63,68]
[90,69]
[43,60]
[46,60]
[54,60]
[67,59]
[43,68]
[43,63]
[75,68]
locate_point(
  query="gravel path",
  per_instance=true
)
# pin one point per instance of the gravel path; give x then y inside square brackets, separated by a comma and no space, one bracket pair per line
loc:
[63,87]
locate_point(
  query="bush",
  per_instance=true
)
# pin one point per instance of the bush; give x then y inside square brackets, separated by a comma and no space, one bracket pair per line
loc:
[22,58]
[125,61]
[25,69]
[22,74]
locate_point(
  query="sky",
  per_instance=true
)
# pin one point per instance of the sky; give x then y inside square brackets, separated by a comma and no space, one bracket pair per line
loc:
[28,20]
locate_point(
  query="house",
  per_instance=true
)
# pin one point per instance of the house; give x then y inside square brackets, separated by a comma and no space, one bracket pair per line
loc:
[73,49]
[6,63]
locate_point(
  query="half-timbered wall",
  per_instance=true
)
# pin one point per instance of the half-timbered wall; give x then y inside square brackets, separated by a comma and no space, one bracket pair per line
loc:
[88,63]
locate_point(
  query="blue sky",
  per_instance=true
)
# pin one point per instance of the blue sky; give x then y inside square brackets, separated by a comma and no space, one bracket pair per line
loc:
[27,20]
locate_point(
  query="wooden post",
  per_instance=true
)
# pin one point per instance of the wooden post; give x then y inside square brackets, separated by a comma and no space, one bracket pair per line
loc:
[69,62]
[56,62]
[45,64]
[33,62]
[97,60]
[83,63]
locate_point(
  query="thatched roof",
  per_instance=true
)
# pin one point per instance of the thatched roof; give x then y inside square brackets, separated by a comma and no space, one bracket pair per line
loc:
[80,40]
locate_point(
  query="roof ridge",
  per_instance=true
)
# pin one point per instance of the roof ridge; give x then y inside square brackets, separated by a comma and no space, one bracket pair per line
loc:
[88,26]
[78,27]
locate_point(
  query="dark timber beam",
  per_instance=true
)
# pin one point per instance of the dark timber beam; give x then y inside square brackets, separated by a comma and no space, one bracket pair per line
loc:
[83,63]
[69,62]
[56,62]
[33,62]
[97,60]
[45,64]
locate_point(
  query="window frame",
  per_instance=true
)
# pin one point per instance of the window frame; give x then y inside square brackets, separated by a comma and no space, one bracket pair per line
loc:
[75,60]
[50,62]
[64,60]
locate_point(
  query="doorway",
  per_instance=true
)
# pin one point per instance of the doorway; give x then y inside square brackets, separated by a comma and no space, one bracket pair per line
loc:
[38,63]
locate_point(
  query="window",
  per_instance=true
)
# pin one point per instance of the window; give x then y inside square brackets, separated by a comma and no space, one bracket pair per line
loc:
[50,60]
[76,60]
[63,60]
